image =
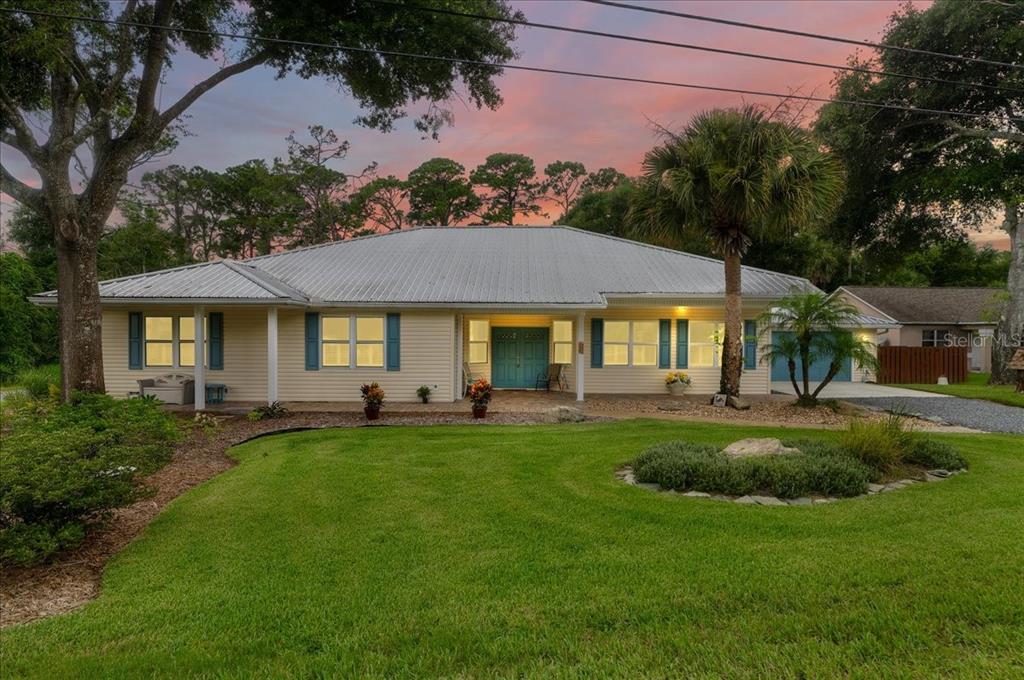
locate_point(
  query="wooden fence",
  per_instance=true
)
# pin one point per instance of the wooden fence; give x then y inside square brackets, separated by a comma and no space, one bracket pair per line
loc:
[922,364]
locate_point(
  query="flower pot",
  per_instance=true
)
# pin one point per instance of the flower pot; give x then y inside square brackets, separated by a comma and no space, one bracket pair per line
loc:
[372,412]
[479,411]
[425,399]
[677,389]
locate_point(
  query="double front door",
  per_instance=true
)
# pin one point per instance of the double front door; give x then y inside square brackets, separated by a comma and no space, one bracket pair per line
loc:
[519,356]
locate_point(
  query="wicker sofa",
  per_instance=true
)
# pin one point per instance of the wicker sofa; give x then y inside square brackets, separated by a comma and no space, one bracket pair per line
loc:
[171,388]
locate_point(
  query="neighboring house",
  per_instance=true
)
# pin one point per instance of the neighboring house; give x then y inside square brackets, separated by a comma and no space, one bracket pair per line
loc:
[933,317]
[436,306]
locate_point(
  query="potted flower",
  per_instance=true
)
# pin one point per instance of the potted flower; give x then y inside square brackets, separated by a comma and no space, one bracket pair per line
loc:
[423,392]
[677,382]
[373,398]
[480,395]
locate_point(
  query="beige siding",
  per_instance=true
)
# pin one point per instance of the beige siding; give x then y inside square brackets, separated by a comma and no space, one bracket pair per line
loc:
[245,351]
[427,355]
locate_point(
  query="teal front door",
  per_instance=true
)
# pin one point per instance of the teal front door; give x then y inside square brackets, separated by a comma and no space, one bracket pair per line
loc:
[519,356]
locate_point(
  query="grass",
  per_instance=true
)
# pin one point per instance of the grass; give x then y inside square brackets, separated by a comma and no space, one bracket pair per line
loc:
[513,551]
[976,387]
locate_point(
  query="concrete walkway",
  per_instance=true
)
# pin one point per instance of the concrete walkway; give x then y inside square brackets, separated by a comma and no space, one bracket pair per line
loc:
[857,390]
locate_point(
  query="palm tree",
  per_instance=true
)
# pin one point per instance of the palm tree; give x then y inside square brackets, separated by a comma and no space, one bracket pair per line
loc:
[732,174]
[818,327]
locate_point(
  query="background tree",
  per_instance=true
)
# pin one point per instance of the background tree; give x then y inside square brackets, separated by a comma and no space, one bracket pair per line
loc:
[604,179]
[511,186]
[919,179]
[604,211]
[440,194]
[564,183]
[139,245]
[27,332]
[97,83]
[260,208]
[729,175]
[379,204]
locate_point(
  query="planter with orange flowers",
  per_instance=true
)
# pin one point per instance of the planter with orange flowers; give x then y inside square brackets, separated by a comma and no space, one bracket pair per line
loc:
[480,396]
[373,399]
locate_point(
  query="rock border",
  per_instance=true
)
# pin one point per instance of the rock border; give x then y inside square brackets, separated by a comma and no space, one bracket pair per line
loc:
[625,474]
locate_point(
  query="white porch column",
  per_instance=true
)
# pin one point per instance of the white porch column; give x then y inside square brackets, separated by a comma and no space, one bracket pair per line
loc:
[271,355]
[459,386]
[199,370]
[580,320]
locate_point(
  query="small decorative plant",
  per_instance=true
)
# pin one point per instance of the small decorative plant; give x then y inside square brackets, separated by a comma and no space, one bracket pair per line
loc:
[272,410]
[677,382]
[373,399]
[207,422]
[480,396]
[423,392]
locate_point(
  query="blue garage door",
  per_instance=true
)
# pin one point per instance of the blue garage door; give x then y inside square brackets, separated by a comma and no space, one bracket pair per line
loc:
[819,369]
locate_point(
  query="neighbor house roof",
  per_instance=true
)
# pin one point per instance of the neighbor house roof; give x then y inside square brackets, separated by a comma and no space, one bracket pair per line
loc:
[515,266]
[930,305]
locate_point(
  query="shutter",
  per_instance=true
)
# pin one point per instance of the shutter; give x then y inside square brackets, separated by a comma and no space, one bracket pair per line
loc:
[750,345]
[596,343]
[682,343]
[664,343]
[215,327]
[312,341]
[135,340]
[393,340]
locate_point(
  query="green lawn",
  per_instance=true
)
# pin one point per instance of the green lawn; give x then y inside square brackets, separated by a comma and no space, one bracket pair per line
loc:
[976,387]
[512,551]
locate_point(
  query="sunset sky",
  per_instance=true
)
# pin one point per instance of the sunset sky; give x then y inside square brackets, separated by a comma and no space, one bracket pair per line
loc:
[548,117]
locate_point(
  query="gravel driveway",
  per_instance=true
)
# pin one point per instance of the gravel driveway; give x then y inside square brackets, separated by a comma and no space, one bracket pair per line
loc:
[973,413]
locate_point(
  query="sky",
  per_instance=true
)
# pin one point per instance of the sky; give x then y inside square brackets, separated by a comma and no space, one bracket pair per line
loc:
[548,117]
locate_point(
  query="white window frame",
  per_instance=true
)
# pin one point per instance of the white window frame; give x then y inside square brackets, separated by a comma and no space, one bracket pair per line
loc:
[347,343]
[354,335]
[486,342]
[556,344]
[716,357]
[175,342]
[939,338]
[631,342]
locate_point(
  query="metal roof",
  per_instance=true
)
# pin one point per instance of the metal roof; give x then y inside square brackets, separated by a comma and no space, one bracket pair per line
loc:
[505,266]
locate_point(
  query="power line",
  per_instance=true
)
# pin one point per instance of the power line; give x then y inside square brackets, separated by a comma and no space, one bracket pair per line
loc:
[687,46]
[516,67]
[802,34]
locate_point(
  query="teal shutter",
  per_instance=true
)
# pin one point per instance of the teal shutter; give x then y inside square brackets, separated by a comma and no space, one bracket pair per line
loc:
[216,340]
[664,343]
[596,343]
[750,345]
[393,349]
[135,340]
[682,343]
[312,341]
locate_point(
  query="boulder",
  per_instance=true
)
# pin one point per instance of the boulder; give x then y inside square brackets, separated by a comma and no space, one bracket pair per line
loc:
[565,414]
[765,446]
[738,404]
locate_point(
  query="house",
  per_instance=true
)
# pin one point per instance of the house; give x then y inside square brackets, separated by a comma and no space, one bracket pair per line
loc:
[933,317]
[434,306]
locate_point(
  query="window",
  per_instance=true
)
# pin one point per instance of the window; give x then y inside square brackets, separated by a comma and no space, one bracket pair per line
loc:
[159,340]
[561,332]
[706,343]
[645,343]
[479,332]
[370,341]
[934,338]
[187,340]
[616,343]
[334,347]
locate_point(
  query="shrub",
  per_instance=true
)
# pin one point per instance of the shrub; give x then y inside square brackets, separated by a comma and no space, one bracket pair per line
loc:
[932,454]
[273,410]
[820,469]
[64,468]
[372,394]
[41,382]
[882,444]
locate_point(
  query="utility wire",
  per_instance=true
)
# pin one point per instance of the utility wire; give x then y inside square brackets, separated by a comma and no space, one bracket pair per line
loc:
[688,46]
[475,62]
[802,34]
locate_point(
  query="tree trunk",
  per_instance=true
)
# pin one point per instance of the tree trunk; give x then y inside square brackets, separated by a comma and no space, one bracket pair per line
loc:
[732,356]
[79,314]
[1009,335]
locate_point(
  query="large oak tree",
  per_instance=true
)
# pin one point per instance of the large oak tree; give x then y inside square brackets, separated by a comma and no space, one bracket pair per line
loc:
[94,87]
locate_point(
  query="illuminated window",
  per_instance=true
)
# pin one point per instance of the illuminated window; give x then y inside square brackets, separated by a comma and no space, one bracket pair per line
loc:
[706,339]
[479,332]
[334,346]
[159,340]
[645,343]
[370,341]
[187,341]
[616,343]
[561,332]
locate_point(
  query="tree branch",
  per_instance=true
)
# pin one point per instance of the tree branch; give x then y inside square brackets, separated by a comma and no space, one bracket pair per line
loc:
[20,191]
[199,89]
[152,65]
[22,140]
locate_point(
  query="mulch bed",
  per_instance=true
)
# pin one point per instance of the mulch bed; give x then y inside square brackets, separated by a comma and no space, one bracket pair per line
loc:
[73,579]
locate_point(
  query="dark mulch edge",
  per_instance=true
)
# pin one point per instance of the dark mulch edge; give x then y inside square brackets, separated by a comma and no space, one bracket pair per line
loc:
[74,577]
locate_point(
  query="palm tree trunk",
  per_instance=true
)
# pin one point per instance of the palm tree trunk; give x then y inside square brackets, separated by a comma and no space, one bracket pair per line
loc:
[732,355]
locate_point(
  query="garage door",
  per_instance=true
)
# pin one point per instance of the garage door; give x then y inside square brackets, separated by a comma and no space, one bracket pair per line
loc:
[818,370]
